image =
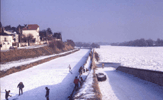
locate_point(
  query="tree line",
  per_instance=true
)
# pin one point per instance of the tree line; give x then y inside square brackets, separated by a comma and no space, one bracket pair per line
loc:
[91,45]
[140,42]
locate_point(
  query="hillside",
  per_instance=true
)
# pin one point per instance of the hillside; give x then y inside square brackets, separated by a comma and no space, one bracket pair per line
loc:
[17,54]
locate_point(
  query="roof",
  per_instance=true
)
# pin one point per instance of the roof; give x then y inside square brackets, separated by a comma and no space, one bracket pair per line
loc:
[31,27]
[5,34]
[2,33]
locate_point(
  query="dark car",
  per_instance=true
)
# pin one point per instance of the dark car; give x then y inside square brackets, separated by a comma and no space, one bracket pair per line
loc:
[101,77]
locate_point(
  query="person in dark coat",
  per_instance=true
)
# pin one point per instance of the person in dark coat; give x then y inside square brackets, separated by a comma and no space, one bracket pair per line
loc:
[47,93]
[76,81]
[81,81]
[7,94]
[80,70]
[20,86]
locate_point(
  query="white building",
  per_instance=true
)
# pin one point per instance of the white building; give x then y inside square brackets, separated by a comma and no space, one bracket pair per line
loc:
[34,30]
[6,40]
[14,34]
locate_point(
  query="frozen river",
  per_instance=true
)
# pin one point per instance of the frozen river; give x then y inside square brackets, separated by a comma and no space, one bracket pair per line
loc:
[138,57]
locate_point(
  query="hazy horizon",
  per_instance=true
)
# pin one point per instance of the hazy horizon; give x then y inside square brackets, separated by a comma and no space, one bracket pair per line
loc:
[89,21]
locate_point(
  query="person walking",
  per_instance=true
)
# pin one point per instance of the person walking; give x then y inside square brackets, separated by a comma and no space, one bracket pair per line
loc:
[76,81]
[70,69]
[20,86]
[80,70]
[7,94]
[47,93]
[102,65]
[81,80]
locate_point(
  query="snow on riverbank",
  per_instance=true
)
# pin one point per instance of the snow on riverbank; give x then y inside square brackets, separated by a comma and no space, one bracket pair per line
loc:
[138,57]
[87,66]
[86,90]
[54,74]
[121,86]
[11,64]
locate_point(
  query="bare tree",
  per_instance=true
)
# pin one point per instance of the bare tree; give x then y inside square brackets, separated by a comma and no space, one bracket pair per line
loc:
[28,38]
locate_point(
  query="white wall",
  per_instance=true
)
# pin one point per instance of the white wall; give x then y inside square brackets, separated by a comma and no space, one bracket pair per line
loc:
[35,34]
[6,44]
[15,35]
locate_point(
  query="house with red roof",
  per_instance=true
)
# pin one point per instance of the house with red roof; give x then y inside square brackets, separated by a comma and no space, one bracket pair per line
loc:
[32,29]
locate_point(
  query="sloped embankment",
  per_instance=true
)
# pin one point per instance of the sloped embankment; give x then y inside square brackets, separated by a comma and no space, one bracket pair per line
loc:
[13,55]
[23,67]
[18,54]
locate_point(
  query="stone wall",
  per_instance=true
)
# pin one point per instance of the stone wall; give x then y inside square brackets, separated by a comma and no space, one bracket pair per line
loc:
[148,75]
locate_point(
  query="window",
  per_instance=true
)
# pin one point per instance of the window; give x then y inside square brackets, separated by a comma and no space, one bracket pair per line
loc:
[5,39]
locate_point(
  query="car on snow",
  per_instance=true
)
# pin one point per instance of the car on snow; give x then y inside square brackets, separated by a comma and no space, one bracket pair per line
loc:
[101,77]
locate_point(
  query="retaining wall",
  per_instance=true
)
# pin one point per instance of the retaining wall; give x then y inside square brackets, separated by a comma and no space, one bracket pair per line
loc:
[149,75]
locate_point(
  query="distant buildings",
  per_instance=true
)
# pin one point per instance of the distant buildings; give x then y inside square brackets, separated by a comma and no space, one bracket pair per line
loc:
[6,39]
[12,37]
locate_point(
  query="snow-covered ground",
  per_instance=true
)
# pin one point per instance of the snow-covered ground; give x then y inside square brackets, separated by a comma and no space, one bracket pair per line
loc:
[86,90]
[122,86]
[11,64]
[138,57]
[54,74]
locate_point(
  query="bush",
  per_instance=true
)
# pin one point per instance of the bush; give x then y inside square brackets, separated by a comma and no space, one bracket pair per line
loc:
[96,56]
[52,44]
[60,44]
[94,45]
[71,43]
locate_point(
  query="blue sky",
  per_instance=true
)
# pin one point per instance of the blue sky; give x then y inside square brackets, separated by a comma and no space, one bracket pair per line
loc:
[89,20]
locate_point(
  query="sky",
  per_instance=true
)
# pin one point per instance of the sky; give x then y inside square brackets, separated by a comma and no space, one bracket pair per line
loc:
[89,20]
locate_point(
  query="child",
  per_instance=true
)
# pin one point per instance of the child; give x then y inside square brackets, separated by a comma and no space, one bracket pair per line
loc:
[47,93]
[7,94]
[70,69]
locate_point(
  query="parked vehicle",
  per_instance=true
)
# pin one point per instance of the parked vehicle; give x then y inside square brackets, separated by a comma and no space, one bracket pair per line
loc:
[101,77]
[13,47]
